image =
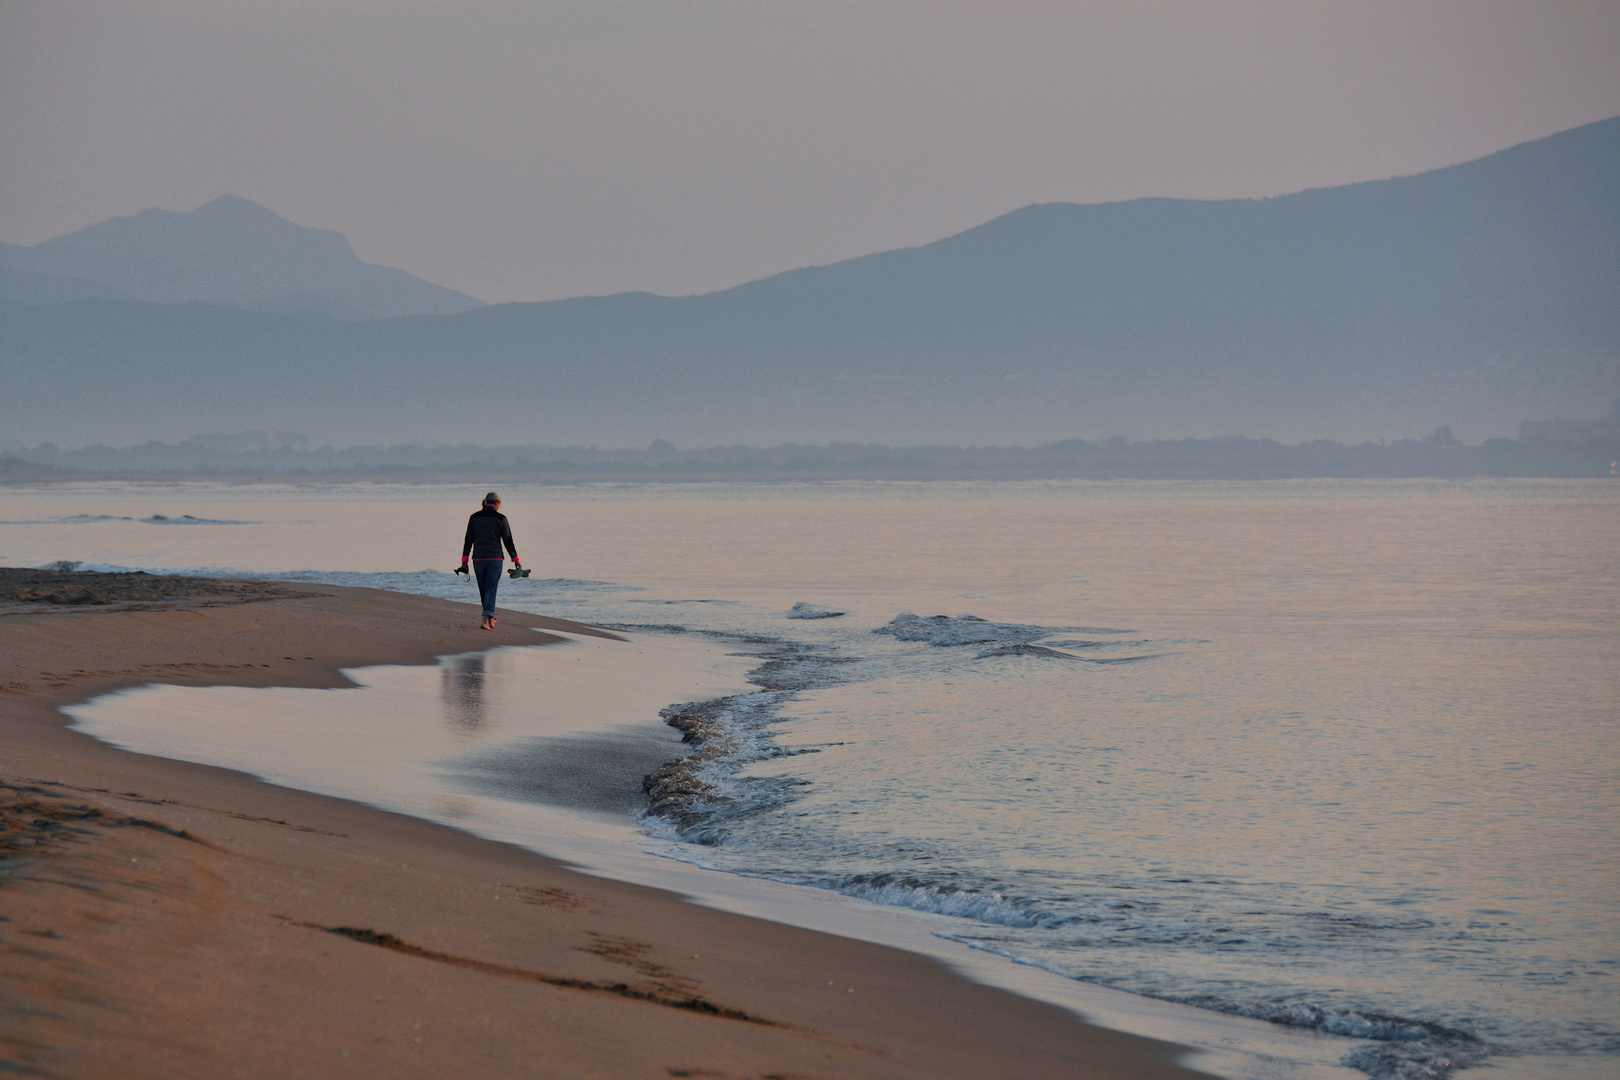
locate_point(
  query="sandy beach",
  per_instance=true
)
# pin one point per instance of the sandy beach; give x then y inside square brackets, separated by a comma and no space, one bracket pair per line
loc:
[161,918]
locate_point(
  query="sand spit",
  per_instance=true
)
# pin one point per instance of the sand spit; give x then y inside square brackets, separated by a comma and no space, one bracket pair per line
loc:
[165,919]
[23,590]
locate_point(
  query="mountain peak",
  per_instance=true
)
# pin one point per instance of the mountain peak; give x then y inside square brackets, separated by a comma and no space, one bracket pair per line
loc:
[235,210]
[229,203]
[233,252]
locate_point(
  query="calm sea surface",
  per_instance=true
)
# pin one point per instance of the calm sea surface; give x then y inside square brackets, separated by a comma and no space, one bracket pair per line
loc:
[1340,755]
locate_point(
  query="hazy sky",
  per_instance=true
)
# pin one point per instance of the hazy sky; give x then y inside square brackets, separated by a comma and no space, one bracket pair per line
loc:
[527,151]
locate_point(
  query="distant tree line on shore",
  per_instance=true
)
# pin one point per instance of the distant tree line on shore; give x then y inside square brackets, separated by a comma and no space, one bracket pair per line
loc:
[280,456]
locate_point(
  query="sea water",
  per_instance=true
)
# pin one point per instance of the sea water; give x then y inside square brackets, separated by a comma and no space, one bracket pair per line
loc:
[1338,755]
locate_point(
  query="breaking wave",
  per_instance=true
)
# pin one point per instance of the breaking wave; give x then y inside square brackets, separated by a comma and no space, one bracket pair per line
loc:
[947,631]
[801,610]
[187,519]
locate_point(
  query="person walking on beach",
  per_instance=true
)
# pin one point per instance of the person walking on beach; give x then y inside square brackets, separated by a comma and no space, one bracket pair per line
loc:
[487,530]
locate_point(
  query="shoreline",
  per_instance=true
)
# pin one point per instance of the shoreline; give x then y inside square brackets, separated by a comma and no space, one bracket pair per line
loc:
[203,923]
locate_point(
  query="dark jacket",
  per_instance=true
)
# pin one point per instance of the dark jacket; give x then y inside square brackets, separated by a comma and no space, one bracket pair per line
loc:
[487,530]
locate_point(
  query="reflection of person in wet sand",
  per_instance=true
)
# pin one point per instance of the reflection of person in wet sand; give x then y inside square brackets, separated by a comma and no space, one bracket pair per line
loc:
[487,530]
[462,690]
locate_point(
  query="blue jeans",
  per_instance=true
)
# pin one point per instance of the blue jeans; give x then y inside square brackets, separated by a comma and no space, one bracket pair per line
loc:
[488,573]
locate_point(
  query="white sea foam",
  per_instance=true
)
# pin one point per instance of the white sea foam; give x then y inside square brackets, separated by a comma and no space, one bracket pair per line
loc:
[896,890]
[1394,1049]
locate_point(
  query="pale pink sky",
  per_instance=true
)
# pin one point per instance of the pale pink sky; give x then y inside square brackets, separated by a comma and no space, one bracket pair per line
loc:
[526,151]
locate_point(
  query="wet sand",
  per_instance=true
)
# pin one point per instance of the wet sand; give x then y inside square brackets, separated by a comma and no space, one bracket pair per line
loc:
[168,919]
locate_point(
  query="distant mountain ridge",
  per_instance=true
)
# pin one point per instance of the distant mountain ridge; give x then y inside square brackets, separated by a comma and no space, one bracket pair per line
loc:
[231,253]
[1476,296]
[1520,247]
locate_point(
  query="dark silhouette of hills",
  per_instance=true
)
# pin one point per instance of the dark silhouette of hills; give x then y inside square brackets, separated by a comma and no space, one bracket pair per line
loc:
[1605,428]
[1588,451]
[1476,296]
[230,253]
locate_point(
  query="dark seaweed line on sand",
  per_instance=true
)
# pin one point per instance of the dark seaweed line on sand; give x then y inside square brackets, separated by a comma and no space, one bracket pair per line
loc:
[367,936]
[38,825]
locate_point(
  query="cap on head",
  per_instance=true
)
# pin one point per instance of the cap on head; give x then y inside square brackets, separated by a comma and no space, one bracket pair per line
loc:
[491,499]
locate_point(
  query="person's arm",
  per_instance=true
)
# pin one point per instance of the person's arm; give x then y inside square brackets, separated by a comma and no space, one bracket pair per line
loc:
[467,542]
[506,538]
